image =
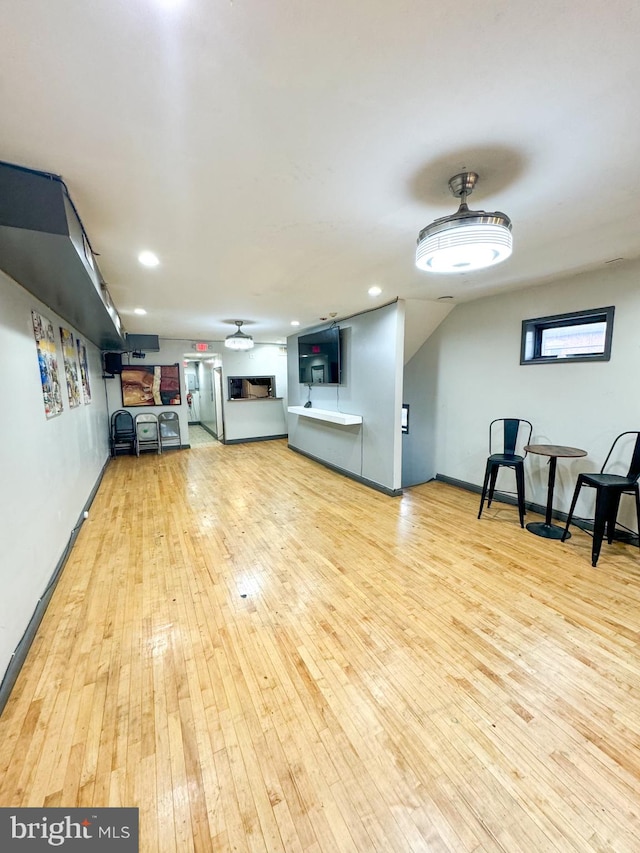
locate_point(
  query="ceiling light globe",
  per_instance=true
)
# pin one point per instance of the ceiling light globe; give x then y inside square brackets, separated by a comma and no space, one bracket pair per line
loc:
[239,340]
[468,239]
[464,248]
[243,343]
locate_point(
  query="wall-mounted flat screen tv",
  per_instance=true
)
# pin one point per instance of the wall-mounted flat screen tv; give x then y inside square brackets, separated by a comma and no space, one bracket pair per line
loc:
[140,343]
[319,357]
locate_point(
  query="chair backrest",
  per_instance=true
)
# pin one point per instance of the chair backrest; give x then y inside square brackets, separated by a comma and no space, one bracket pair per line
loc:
[169,425]
[627,445]
[146,428]
[509,436]
[122,424]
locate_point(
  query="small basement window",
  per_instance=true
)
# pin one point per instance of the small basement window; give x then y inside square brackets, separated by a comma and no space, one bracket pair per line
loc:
[578,336]
[251,387]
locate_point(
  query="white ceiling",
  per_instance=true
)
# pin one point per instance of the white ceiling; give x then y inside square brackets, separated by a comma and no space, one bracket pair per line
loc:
[280,156]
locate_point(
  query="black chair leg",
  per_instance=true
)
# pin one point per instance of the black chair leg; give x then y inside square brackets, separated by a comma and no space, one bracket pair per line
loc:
[602,513]
[574,501]
[612,515]
[484,487]
[492,482]
[519,469]
[636,492]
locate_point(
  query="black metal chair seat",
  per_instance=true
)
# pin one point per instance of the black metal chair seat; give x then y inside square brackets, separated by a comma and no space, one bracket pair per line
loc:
[609,481]
[506,458]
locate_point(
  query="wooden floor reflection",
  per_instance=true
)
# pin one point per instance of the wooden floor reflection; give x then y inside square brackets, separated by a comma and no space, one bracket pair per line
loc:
[263,655]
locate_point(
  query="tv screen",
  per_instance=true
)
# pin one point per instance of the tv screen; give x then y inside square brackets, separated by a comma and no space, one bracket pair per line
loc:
[319,357]
[138,343]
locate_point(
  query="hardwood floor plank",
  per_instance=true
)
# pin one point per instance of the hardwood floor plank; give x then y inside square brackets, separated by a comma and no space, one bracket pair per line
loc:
[265,656]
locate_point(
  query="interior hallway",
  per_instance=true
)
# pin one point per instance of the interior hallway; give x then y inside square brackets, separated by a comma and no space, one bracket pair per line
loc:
[266,656]
[200,437]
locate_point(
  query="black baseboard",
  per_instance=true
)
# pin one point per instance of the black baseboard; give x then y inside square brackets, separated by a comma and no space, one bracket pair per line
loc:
[257,438]
[206,429]
[393,493]
[585,524]
[22,649]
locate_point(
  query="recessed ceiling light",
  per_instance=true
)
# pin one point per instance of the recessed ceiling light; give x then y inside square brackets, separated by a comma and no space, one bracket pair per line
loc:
[375,290]
[140,311]
[148,259]
[295,322]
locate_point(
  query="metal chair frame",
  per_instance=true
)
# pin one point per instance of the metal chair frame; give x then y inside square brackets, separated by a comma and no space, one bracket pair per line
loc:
[147,443]
[609,489]
[511,431]
[169,437]
[122,437]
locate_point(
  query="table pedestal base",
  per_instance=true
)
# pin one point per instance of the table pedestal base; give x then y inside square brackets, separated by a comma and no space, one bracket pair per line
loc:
[548,531]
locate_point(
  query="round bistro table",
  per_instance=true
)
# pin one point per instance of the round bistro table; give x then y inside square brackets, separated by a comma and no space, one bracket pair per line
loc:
[554,452]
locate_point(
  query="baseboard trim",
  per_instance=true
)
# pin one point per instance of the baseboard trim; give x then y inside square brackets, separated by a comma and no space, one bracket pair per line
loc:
[22,649]
[585,524]
[210,431]
[257,438]
[392,493]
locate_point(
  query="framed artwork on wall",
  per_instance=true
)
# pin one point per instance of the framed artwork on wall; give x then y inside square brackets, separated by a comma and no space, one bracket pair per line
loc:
[84,371]
[48,362]
[70,367]
[151,385]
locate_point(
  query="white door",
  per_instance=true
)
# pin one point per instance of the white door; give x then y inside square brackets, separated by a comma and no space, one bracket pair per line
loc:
[217,390]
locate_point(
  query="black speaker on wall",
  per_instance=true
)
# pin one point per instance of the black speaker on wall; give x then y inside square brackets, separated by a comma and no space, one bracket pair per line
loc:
[113,362]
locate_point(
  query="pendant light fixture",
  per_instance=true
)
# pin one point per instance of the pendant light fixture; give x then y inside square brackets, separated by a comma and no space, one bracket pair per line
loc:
[239,340]
[466,240]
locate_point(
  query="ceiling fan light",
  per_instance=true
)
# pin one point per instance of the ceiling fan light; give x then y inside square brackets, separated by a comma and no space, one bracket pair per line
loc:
[464,248]
[239,340]
[467,240]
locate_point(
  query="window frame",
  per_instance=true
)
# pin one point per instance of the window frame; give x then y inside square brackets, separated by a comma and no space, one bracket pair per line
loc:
[538,325]
[262,380]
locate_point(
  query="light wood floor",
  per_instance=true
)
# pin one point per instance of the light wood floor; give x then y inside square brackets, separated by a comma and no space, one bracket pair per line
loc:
[265,656]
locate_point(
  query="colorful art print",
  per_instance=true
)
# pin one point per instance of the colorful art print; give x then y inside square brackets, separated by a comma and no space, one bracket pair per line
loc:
[70,367]
[48,362]
[151,385]
[84,371]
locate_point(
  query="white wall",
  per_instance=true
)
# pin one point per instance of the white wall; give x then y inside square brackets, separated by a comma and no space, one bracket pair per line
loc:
[171,352]
[49,466]
[371,386]
[242,420]
[472,374]
[247,419]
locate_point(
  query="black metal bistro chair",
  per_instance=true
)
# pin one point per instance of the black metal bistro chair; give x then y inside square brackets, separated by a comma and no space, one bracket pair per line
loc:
[123,432]
[609,489]
[507,440]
